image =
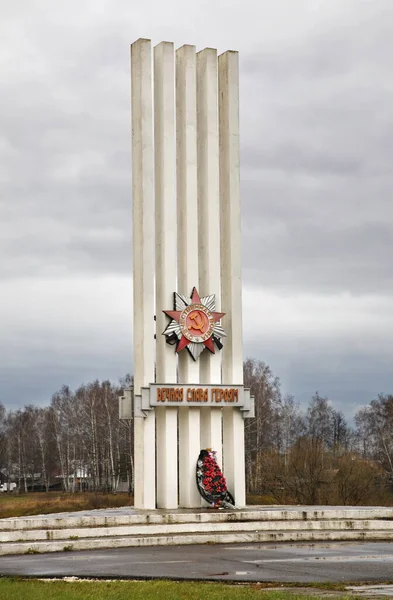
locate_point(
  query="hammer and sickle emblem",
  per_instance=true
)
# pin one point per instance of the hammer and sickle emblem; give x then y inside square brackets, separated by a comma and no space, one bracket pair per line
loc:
[198,321]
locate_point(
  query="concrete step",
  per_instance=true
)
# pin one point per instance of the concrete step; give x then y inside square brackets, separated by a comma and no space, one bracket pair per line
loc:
[124,527]
[227,537]
[130,516]
[22,535]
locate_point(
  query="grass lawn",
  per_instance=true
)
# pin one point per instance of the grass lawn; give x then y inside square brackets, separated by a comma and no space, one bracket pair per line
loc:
[41,503]
[17,589]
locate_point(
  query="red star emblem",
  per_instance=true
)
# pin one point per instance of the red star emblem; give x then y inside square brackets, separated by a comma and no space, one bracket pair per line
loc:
[195,324]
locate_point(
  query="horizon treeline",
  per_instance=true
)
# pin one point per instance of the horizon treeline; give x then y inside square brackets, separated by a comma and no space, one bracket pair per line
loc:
[305,456]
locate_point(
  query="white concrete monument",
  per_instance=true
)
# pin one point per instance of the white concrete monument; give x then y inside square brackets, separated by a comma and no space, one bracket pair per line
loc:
[188,350]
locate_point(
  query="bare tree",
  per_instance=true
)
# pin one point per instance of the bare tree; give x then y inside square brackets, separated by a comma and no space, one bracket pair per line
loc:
[288,425]
[265,387]
[320,420]
[375,430]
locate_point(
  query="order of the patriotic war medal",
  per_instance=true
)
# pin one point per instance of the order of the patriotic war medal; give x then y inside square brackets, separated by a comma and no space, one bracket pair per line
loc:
[194,324]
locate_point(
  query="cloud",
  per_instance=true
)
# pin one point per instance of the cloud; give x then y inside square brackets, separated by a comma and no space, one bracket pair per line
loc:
[317,137]
[334,344]
[59,331]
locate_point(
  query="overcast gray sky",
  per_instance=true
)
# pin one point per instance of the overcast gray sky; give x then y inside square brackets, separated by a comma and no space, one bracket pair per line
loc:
[317,183]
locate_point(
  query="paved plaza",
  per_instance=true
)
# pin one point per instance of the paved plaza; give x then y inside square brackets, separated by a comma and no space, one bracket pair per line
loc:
[301,563]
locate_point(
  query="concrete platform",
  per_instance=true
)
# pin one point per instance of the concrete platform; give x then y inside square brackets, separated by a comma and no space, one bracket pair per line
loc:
[128,527]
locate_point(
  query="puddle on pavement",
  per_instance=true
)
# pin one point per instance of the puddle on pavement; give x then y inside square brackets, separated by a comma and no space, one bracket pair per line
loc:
[372,590]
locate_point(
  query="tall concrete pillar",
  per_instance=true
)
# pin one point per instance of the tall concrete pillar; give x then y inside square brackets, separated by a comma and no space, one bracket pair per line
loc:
[187,257]
[208,196]
[233,454]
[209,227]
[166,256]
[231,282]
[211,431]
[143,266]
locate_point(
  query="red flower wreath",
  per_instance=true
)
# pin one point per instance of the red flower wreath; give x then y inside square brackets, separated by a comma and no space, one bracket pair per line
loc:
[210,480]
[213,480]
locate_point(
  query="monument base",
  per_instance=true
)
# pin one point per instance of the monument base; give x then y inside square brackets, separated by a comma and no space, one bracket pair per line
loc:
[127,527]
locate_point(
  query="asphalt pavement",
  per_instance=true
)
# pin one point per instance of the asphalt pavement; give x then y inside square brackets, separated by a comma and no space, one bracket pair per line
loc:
[297,563]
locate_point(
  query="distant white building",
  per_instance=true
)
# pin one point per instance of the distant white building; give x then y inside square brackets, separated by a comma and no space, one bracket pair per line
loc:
[7,487]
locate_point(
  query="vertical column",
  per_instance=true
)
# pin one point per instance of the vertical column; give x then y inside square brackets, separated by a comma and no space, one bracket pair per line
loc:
[209,227]
[143,270]
[187,258]
[165,213]
[231,284]
[189,447]
[233,454]
[211,431]
[208,196]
